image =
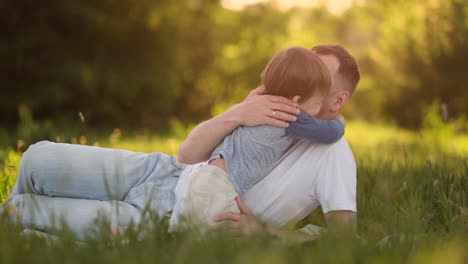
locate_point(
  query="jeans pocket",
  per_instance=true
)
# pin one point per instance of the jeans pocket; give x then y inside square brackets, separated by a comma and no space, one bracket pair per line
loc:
[154,196]
[175,162]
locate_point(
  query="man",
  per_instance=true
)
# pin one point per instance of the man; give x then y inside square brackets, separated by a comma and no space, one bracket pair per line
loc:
[77,183]
[309,174]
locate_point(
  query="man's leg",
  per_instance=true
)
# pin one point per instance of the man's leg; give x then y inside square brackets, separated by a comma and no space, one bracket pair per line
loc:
[76,171]
[92,173]
[49,214]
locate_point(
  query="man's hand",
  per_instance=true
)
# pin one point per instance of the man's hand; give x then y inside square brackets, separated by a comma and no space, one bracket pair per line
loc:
[247,224]
[244,222]
[260,109]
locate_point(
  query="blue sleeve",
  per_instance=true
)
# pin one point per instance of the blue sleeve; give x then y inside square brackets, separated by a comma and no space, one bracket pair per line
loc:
[321,131]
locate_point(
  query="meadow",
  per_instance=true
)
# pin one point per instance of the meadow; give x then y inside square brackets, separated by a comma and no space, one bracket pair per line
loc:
[412,203]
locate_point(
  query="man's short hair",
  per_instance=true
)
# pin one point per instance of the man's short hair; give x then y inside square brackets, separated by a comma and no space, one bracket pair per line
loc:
[348,70]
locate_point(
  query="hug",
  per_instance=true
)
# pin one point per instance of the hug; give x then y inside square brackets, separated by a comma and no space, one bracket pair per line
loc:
[273,159]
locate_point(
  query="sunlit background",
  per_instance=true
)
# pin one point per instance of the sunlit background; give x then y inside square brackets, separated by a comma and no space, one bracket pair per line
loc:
[150,64]
[334,6]
[140,74]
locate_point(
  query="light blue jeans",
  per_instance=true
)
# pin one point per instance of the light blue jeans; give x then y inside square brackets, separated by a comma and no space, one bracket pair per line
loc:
[73,183]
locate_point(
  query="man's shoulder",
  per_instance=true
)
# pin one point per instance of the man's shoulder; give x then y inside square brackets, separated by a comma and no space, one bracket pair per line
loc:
[339,150]
[341,146]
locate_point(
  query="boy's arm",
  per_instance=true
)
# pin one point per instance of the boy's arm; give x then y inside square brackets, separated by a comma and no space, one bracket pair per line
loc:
[321,131]
[256,109]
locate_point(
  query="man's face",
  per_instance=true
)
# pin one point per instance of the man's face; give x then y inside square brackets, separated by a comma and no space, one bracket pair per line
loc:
[332,63]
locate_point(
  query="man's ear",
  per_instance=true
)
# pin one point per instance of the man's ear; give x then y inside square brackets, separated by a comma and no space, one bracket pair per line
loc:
[342,99]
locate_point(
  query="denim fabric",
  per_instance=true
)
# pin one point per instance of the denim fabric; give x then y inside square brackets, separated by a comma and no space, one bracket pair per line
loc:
[81,216]
[77,183]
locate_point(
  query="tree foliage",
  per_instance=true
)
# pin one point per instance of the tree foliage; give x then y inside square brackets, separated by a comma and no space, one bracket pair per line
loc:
[140,63]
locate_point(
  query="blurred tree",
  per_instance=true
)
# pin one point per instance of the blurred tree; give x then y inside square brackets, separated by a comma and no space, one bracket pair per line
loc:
[249,39]
[140,63]
[121,61]
[422,51]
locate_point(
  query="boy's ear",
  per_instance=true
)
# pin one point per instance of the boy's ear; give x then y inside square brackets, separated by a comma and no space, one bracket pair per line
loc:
[296,99]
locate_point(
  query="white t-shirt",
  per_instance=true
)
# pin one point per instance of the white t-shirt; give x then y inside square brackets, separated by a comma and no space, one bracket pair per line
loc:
[307,176]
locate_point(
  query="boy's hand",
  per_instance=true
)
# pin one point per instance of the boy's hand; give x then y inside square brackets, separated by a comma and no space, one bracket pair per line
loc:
[341,118]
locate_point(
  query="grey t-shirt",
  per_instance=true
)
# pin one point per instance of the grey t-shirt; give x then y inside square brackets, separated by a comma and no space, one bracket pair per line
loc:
[251,152]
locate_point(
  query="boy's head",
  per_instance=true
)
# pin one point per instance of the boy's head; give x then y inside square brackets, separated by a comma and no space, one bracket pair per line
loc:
[296,71]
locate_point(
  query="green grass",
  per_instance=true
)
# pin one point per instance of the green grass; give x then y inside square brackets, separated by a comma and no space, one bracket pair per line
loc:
[412,203]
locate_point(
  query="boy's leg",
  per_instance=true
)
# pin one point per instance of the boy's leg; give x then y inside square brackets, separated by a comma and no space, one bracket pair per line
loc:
[48,214]
[76,171]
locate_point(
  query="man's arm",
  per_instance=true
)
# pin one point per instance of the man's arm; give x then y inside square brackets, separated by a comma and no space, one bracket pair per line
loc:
[342,220]
[256,109]
[202,140]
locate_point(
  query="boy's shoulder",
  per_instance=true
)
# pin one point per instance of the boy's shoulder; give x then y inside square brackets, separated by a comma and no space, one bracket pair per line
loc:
[261,132]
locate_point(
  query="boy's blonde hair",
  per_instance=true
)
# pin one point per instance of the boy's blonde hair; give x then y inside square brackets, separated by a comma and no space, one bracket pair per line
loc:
[296,71]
